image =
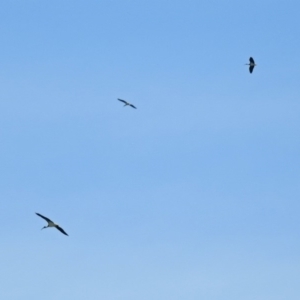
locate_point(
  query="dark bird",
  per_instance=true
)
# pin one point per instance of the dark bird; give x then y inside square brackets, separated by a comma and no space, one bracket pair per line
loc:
[51,224]
[251,64]
[126,103]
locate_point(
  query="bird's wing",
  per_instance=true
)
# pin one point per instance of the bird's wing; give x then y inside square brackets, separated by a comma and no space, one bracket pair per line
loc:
[251,60]
[132,106]
[251,69]
[48,220]
[122,100]
[61,230]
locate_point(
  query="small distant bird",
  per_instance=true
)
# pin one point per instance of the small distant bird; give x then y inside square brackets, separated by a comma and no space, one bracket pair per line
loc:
[251,64]
[126,103]
[52,224]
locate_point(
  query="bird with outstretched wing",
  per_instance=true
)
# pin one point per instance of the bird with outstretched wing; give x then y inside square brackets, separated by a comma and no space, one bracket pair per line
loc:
[126,103]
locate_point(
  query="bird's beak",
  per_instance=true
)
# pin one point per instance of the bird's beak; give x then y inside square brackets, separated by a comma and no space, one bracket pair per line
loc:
[43,227]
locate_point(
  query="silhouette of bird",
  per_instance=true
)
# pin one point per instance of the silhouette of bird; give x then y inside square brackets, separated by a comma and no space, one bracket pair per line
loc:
[126,103]
[251,64]
[51,224]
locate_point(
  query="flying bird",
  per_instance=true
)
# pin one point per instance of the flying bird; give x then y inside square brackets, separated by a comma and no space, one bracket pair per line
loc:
[126,103]
[251,64]
[51,224]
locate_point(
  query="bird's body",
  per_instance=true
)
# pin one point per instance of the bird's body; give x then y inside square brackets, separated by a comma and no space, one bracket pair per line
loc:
[251,64]
[126,103]
[51,224]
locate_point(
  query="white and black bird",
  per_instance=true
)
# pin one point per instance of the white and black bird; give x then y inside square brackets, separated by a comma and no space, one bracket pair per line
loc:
[52,224]
[251,64]
[126,103]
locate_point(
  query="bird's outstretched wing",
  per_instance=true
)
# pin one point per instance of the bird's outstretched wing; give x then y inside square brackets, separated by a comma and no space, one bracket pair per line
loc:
[132,106]
[251,60]
[122,101]
[61,230]
[251,69]
[48,220]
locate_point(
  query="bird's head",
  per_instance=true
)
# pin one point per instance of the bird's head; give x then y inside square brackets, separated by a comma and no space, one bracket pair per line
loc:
[44,227]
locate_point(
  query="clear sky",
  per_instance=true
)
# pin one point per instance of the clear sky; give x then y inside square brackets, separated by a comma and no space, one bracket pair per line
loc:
[193,195]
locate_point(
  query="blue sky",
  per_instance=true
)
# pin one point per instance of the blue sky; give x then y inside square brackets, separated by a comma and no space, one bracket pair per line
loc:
[194,195]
